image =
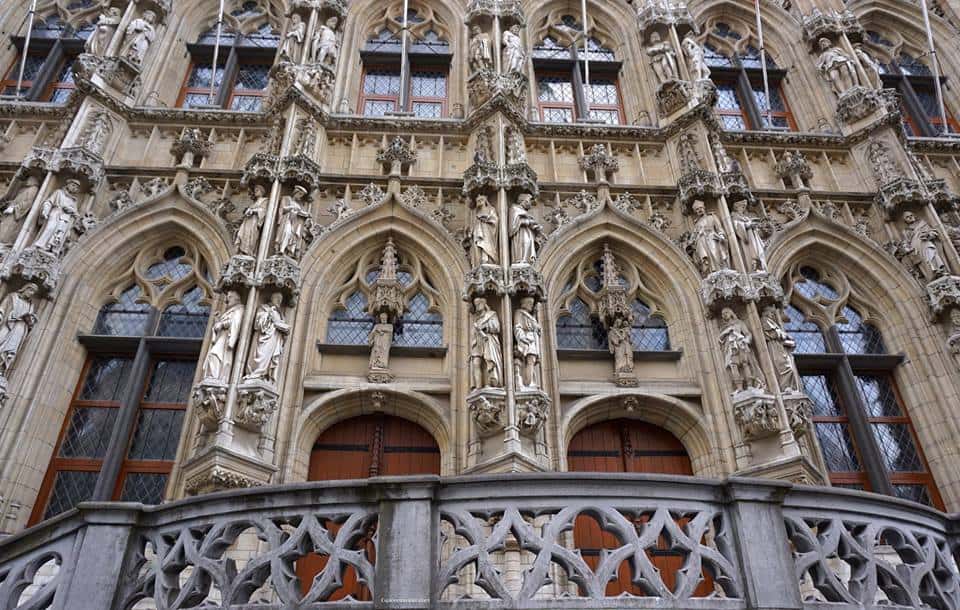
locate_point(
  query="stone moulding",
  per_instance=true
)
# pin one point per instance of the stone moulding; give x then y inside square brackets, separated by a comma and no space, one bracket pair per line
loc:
[698,184]
[210,398]
[831,25]
[76,162]
[508,10]
[726,288]
[396,156]
[525,281]
[37,266]
[237,272]
[485,86]
[599,163]
[260,169]
[299,170]
[218,479]
[861,102]
[521,178]
[480,178]
[756,414]
[280,274]
[673,96]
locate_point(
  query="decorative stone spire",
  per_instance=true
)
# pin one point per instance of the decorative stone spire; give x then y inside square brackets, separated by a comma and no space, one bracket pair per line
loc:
[396,156]
[388,293]
[599,162]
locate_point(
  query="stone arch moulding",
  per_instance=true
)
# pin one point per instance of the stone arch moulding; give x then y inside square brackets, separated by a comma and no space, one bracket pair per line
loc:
[675,416]
[329,409]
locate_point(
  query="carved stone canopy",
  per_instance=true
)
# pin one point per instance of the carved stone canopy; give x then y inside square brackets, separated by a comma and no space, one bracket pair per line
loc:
[509,11]
[191,141]
[76,162]
[387,291]
[831,25]
[599,162]
[943,294]
[396,156]
[260,169]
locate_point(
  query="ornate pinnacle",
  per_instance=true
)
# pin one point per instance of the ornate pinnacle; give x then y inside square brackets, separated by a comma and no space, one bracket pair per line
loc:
[396,155]
[611,275]
[599,162]
[388,266]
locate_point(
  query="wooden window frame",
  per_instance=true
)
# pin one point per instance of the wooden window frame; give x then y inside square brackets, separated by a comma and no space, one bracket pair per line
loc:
[775,84]
[732,78]
[912,110]
[618,107]
[542,106]
[56,53]
[233,55]
[426,69]
[373,97]
[236,91]
[186,90]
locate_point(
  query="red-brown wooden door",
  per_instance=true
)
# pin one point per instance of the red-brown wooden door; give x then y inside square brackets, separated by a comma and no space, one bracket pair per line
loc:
[626,445]
[366,446]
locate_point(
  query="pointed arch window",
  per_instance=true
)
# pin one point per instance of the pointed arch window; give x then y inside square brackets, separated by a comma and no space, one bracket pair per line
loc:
[741,99]
[865,435]
[48,71]
[421,89]
[122,429]
[243,63]
[563,95]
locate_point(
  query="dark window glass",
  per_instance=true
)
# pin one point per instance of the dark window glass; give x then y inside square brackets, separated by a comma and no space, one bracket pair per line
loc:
[170,381]
[878,396]
[171,267]
[88,434]
[143,487]
[70,488]
[820,390]
[126,317]
[648,333]
[419,327]
[914,493]
[837,447]
[807,334]
[555,89]
[580,330]
[157,434]
[859,337]
[350,325]
[187,318]
[105,379]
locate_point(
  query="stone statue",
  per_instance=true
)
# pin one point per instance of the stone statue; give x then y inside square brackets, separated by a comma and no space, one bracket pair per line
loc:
[58,216]
[326,45]
[953,341]
[380,339]
[621,346]
[884,167]
[16,320]
[746,229]
[525,231]
[870,66]
[922,243]
[484,233]
[271,331]
[140,35]
[249,232]
[486,361]
[781,346]
[95,132]
[516,148]
[293,39]
[293,219]
[696,62]
[483,146]
[481,50]
[737,343]
[226,332]
[16,210]
[514,55]
[527,345]
[837,68]
[663,59]
[710,241]
[107,24]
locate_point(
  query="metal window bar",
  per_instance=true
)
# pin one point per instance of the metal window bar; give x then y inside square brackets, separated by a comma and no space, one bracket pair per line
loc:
[26,47]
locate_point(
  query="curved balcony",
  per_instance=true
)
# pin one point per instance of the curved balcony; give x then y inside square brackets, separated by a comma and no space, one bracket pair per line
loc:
[491,542]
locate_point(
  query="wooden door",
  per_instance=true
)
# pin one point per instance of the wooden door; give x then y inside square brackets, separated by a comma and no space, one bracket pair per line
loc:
[627,445]
[367,446]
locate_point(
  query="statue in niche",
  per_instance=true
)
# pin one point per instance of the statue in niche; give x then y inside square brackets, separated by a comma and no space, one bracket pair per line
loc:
[484,233]
[58,216]
[16,210]
[737,343]
[95,132]
[884,167]
[621,346]
[486,360]
[746,228]
[293,220]
[271,331]
[663,59]
[326,43]
[527,345]
[514,55]
[696,62]
[17,317]
[226,332]
[516,148]
[107,24]
[710,241]
[780,345]
[870,65]
[140,34]
[381,339]
[249,232]
[481,50]
[483,147]
[837,68]
[293,39]
[525,231]
[922,243]
[953,341]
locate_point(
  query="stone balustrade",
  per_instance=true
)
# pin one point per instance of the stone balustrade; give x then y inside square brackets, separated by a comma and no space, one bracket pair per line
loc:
[491,542]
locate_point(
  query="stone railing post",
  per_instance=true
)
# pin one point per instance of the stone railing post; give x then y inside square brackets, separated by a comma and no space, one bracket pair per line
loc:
[406,546]
[101,553]
[756,511]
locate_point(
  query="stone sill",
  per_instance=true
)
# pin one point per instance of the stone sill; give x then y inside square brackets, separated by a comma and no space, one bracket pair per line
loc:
[395,351]
[638,356]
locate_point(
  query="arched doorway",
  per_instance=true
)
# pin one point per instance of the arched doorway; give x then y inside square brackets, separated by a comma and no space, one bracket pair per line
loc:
[357,448]
[628,445]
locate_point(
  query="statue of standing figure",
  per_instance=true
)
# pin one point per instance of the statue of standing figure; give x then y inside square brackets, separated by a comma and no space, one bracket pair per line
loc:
[481,50]
[271,331]
[16,210]
[226,333]
[710,241]
[526,335]
[663,59]
[17,318]
[621,346]
[486,359]
[326,43]
[837,68]
[484,233]
[58,216]
[696,62]
[140,34]
[922,242]
[524,231]
[248,235]
[514,55]
[293,39]
[870,66]
[293,220]
[380,339]
[746,228]
[780,345]
[107,24]
[736,340]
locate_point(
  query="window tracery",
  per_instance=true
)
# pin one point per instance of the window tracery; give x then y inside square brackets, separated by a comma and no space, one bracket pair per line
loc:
[421,323]
[864,434]
[578,325]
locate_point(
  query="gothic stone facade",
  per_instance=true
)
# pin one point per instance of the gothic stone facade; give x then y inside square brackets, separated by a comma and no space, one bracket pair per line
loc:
[222,239]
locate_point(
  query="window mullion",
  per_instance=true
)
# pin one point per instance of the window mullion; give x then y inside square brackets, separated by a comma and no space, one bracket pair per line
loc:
[873,464]
[123,426]
[406,80]
[47,73]
[749,101]
[916,110]
[579,90]
[229,77]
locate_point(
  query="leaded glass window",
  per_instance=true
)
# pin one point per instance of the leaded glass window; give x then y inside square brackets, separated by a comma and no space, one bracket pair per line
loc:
[48,70]
[578,329]
[418,326]
[648,333]
[350,324]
